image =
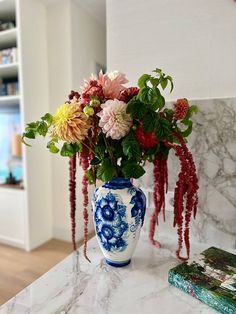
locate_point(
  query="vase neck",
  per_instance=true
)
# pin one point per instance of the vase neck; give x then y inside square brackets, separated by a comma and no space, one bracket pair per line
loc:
[118,183]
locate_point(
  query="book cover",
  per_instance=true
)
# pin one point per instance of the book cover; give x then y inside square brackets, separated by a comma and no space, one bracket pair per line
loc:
[211,278]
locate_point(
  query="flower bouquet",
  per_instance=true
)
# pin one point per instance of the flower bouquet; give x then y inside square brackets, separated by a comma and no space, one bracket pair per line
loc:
[114,130]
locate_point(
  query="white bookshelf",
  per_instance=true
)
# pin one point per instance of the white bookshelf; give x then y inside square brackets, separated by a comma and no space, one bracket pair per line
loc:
[9,100]
[8,70]
[25,214]
[8,37]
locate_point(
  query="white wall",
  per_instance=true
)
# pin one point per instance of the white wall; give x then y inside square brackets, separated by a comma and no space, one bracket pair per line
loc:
[75,42]
[89,44]
[32,23]
[194,41]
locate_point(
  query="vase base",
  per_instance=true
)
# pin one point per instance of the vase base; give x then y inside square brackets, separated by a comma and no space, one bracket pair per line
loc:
[117,264]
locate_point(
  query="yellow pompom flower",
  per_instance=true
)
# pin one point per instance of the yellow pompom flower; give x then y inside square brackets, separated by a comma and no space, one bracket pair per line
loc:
[70,124]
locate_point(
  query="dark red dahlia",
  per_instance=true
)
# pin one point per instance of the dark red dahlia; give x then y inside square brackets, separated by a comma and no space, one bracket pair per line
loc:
[146,140]
[128,93]
[181,108]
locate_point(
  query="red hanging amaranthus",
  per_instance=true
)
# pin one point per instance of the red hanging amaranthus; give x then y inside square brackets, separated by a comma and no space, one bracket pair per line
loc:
[72,190]
[160,186]
[84,162]
[185,197]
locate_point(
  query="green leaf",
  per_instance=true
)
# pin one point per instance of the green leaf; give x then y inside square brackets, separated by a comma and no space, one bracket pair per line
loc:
[117,149]
[48,118]
[69,149]
[191,110]
[164,83]
[131,147]
[158,71]
[158,100]
[132,170]
[95,161]
[106,171]
[188,131]
[51,145]
[42,128]
[142,82]
[32,126]
[24,142]
[153,150]
[29,134]
[136,108]
[169,78]
[149,121]
[146,95]
[154,81]
[163,129]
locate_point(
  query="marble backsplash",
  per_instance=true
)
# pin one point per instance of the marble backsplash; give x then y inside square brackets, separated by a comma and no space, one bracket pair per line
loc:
[213,145]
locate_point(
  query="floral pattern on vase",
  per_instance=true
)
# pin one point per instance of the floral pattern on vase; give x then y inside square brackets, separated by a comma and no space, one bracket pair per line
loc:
[138,210]
[118,212]
[110,221]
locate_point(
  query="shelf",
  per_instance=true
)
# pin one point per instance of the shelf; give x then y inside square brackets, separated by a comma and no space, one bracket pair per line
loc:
[9,100]
[8,38]
[7,9]
[11,186]
[8,70]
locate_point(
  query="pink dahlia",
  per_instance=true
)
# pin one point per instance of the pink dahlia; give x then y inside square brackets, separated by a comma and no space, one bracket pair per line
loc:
[112,83]
[114,120]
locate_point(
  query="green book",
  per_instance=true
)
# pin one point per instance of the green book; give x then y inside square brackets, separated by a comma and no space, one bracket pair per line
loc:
[211,278]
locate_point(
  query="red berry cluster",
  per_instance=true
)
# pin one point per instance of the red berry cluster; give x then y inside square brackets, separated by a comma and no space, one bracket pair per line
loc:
[73,94]
[181,108]
[146,140]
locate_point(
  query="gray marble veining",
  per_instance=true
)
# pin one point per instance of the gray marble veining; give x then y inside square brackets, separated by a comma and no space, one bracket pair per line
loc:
[75,286]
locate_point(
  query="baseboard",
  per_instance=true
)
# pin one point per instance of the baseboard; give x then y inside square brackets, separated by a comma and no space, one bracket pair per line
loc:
[12,242]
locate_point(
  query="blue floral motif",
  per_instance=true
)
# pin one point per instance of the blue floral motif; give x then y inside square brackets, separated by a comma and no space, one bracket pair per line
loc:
[139,208]
[110,221]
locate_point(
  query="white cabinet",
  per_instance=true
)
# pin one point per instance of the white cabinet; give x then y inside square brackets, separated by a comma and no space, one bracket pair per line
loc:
[12,217]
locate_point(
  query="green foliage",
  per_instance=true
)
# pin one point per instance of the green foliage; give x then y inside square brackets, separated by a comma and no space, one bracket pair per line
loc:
[95,161]
[149,121]
[106,171]
[136,108]
[142,82]
[163,129]
[69,149]
[48,118]
[37,128]
[51,145]
[131,147]
[131,169]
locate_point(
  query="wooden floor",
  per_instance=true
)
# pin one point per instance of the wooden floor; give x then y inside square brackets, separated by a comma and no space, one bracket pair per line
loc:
[19,268]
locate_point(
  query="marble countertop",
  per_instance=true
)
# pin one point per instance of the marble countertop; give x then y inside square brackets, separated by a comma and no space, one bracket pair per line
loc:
[75,286]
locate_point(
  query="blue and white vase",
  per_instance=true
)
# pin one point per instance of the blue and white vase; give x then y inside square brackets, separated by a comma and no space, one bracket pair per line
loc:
[118,213]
